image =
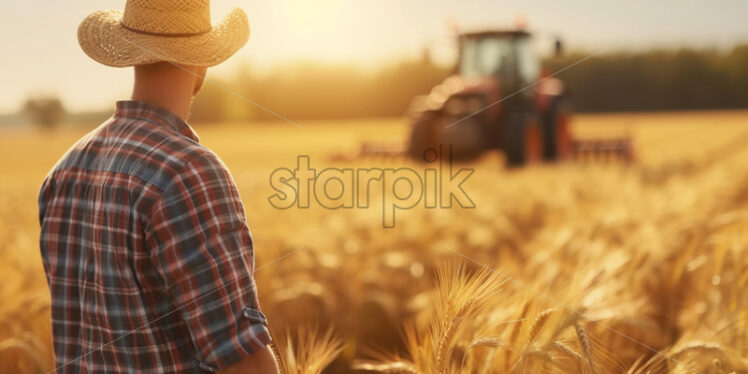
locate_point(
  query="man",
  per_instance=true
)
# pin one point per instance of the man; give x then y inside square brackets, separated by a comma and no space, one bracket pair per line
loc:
[144,238]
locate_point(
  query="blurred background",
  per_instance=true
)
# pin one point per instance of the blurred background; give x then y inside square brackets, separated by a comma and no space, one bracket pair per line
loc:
[373,57]
[609,176]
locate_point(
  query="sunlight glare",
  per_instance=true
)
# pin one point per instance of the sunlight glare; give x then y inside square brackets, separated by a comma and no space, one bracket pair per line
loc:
[313,18]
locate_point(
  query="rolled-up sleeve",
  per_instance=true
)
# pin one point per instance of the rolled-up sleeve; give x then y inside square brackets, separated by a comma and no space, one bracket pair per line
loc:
[202,248]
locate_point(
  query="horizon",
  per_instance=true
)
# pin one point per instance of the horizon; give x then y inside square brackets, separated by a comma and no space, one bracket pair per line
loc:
[292,31]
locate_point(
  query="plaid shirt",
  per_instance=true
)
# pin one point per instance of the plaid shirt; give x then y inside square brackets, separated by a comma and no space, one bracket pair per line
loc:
[147,252]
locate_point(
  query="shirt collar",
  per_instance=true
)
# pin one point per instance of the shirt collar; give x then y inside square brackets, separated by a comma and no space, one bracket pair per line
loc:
[142,110]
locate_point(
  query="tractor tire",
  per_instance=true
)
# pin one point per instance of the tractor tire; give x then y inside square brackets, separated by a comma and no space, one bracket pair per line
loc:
[557,132]
[522,141]
[463,140]
[423,136]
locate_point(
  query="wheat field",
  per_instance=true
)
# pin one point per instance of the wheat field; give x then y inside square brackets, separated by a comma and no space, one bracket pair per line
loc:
[568,268]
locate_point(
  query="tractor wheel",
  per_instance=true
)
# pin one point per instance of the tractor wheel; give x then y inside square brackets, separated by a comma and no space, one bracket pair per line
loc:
[523,141]
[557,131]
[464,140]
[423,135]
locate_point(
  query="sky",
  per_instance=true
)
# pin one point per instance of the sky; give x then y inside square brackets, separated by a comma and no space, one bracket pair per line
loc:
[39,52]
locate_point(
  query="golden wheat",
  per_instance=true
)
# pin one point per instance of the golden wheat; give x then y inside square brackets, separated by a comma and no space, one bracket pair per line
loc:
[615,269]
[309,353]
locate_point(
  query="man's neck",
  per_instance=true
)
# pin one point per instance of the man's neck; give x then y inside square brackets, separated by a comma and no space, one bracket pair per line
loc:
[172,92]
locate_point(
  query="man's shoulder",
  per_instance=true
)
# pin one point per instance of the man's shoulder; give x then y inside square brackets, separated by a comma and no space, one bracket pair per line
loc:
[164,154]
[151,152]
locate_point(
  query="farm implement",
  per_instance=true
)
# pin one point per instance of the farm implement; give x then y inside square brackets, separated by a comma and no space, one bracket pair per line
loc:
[604,149]
[499,100]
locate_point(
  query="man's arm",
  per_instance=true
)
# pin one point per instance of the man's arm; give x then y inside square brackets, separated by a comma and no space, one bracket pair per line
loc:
[201,246]
[260,362]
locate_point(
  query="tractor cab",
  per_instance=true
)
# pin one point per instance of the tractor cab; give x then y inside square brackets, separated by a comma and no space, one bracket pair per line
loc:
[504,55]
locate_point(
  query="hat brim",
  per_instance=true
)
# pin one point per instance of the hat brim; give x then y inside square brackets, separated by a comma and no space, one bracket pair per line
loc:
[103,38]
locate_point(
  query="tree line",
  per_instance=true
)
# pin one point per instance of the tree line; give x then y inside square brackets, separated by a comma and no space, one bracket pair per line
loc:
[657,80]
[319,91]
[684,79]
[681,79]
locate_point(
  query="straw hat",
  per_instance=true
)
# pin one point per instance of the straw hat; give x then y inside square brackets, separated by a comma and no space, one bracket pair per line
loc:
[162,30]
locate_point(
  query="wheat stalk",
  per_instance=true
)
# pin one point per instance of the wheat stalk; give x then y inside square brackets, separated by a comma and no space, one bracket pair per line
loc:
[459,296]
[539,322]
[568,351]
[311,352]
[515,332]
[584,342]
[487,341]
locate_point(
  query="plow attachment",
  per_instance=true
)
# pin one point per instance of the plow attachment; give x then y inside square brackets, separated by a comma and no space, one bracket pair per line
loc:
[582,150]
[611,149]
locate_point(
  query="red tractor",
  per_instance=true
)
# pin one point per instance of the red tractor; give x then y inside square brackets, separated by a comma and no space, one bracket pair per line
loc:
[497,100]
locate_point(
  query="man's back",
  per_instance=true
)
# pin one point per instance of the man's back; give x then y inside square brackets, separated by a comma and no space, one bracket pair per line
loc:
[147,252]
